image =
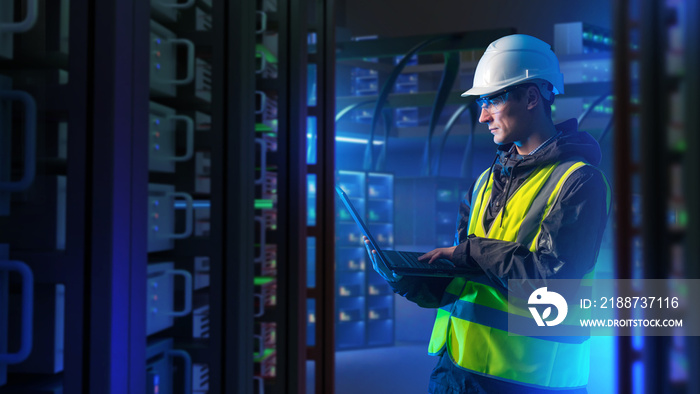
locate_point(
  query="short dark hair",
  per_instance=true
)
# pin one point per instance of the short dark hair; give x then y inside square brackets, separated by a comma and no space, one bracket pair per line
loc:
[519,93]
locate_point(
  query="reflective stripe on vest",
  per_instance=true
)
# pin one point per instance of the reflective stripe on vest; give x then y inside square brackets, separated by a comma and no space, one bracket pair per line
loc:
[472,324]
[439,336]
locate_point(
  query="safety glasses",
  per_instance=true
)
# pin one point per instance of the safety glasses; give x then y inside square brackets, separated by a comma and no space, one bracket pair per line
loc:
[495,102]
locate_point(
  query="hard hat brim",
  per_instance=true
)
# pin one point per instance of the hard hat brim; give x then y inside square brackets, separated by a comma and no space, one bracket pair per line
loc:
[480,91]
[487,90]
[558,86]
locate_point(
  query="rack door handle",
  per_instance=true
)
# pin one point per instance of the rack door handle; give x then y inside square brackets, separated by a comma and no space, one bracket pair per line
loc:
[187,4]
[188,292]
[29,140]
[27,311]
[261,384]
[190,137]
[190,62]
[176,353]
[27,23]
[261,305]
[189,213]
[263,101]
[263,22]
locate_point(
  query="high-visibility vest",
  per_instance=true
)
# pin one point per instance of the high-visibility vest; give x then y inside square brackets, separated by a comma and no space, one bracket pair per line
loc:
[472,324]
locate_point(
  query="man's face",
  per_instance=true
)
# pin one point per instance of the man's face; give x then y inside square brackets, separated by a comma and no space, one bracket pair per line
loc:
[505,117]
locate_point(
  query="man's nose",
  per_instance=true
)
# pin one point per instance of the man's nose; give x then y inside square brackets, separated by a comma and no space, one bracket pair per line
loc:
[485,116]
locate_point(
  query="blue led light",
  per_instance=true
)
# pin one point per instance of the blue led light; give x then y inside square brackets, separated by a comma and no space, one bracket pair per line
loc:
[156,147]
[195,204]
[157,121]
[638,377]
[156,384]
[158,41]
[637,342]
[157,66]
[155,228]
[156,203]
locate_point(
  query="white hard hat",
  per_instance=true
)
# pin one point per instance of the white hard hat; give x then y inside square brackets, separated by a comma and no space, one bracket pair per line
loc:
[513,60]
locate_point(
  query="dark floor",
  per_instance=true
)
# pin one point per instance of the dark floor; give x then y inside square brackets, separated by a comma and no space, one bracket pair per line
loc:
[398,369]
[406,369]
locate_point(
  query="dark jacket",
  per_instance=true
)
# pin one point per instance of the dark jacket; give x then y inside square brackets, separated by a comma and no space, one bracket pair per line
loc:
[567,247]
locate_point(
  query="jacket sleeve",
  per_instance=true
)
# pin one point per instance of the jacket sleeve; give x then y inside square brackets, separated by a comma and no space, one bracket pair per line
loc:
[427,292]
[567,246]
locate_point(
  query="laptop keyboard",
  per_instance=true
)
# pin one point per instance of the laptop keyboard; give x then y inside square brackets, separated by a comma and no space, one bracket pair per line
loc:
[411,259]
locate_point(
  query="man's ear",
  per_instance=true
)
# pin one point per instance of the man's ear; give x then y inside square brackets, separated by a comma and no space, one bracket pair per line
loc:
[533,97]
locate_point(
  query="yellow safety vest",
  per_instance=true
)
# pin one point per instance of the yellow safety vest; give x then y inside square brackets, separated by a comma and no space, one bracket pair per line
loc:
[472,324]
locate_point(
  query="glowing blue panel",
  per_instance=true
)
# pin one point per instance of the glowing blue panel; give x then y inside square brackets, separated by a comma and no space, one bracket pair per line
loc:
[311,199]
[310,262]
[638,377]
[311,139]
[311,84]
[310,322]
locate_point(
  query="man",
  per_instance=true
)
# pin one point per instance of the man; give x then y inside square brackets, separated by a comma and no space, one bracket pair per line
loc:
[537,213]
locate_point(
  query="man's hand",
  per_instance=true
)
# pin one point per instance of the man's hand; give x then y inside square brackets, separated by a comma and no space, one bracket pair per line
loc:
[381,268]
[439,253]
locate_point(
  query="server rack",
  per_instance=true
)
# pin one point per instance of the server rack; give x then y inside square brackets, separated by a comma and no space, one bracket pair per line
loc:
[658,40]
[365,303]
[407,83]
[364,82]
[185,129]
[691,166]
[297,36]
[351,266]
[44,198]
[145,125]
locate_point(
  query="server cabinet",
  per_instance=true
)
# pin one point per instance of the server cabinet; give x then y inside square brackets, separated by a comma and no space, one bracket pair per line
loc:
[293,199]
[365,303]
[656,237]
[43,195]
[128,195]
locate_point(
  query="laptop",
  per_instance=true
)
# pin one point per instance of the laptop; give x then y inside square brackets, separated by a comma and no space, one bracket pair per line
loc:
[403,263]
